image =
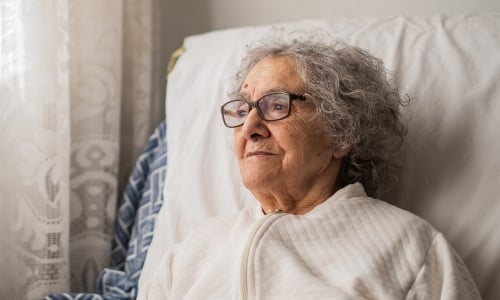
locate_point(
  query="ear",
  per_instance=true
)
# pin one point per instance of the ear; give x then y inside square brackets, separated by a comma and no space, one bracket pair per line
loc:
[341,151]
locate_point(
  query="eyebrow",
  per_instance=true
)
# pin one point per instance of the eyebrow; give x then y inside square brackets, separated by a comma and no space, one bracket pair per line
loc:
[245,96]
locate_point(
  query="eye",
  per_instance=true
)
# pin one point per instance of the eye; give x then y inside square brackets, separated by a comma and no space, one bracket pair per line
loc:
[277,106]
[241,113]
[236,109]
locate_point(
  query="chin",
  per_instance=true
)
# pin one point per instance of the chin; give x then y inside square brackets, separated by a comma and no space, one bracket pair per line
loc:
[253,182]
[258,176]
[256,183]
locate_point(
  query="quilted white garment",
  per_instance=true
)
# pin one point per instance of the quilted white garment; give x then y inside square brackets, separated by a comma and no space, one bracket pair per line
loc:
[349,247]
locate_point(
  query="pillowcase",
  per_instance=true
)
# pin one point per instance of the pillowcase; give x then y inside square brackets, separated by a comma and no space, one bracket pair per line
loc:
[450,68]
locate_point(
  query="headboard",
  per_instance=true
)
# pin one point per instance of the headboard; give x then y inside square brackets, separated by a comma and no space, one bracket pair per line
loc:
[450,69]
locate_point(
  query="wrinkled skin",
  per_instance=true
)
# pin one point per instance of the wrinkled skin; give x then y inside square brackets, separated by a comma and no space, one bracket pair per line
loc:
[290,164]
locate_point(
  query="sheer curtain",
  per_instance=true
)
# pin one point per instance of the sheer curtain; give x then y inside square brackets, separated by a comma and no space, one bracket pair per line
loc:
[82,87]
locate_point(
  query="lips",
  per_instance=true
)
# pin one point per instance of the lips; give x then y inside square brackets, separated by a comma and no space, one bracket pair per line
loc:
[258,153]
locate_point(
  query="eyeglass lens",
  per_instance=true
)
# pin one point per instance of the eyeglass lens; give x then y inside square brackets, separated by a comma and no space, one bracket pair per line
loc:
[270,107]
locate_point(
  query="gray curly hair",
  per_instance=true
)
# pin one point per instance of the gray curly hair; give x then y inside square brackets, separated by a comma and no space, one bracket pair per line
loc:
[355,99]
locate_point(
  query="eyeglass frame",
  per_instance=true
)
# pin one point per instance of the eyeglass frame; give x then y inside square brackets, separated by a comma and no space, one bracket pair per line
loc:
[255,104]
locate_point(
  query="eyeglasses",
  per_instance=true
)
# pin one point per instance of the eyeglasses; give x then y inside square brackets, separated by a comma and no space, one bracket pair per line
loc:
[270,107]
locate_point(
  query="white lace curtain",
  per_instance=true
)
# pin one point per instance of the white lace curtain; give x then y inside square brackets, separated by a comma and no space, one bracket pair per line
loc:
[82,85]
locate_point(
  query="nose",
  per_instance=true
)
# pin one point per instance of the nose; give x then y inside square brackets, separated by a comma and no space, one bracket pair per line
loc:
[254,127]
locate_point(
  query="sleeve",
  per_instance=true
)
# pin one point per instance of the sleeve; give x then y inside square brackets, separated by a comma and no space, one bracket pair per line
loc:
[159,285]
[443,275]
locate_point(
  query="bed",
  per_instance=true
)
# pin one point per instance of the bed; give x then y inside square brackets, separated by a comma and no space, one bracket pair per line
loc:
[447,66]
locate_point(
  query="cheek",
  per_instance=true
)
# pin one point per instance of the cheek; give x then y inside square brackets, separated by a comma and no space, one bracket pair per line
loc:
[238,144]
[309,142]
[294,141]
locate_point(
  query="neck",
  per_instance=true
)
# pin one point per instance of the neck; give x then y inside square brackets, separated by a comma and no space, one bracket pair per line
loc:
[291,204]
[298,199]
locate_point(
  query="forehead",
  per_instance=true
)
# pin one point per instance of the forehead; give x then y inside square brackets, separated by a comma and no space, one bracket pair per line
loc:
[272,74]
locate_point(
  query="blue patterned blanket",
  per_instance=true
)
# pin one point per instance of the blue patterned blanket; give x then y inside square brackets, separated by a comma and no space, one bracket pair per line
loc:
[136,216]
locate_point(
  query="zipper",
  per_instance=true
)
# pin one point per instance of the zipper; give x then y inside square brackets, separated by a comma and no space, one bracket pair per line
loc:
[259,227]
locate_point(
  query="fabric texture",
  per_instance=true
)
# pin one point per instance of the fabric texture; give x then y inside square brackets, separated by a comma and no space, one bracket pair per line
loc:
[81,90]
[139,207]
[449,68]
[349,247]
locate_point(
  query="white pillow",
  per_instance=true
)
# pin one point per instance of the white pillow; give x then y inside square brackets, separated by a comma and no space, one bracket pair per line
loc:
[450,67]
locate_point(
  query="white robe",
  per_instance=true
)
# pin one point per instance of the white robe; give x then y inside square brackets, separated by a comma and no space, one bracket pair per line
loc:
[349,247]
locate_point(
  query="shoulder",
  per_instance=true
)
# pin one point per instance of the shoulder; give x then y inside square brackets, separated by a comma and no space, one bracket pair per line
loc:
[386,217]
[380,219]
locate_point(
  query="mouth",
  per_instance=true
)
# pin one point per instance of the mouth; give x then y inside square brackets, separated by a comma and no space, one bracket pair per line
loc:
[258,153]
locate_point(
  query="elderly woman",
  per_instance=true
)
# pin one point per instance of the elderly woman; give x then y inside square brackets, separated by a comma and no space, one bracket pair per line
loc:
[316,129]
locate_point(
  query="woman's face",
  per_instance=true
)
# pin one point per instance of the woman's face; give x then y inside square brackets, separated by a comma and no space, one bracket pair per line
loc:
[288,155]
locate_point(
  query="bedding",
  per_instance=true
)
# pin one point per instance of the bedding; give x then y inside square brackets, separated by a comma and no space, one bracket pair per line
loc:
[449,68]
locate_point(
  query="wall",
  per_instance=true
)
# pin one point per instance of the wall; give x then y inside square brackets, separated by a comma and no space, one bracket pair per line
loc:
[183,18]
[224,13]
[187,17]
